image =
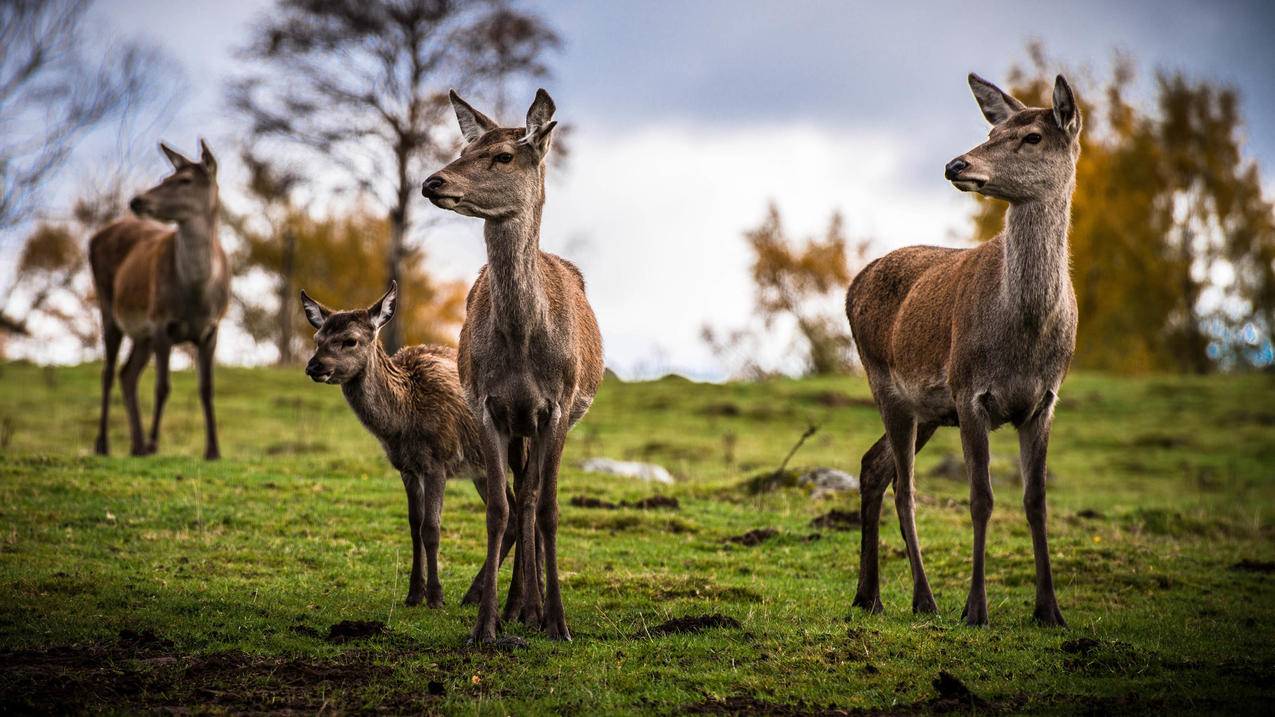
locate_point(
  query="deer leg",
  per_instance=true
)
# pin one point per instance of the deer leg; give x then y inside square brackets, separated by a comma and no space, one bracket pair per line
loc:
[1033,444]
[162,348]
[138,355]
[518,464]
[207,348]
[901,430]
[431,529]
[415,485]
[495,447]
[974,442]
[111,336]
[555,618]
[875,474]
[528,553]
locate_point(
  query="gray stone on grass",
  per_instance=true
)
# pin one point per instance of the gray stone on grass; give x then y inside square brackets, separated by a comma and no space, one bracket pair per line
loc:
[828,481]
[648,472]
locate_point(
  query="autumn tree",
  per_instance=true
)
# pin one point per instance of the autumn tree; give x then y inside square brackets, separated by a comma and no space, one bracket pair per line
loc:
[339,260]
[362,86]
[1165,203]
[800,282]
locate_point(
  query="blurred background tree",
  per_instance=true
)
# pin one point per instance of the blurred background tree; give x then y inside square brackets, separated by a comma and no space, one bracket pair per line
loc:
[795,283]
[363,87]
[1172,240]
[340,261]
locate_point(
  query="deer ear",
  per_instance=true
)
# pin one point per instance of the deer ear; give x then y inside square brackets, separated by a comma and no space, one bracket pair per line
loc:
[1066,113]
[473,124]
[997,105]
[540,112]
[174,157]
[315,312]
[383,310]
[206,157]
[540,137]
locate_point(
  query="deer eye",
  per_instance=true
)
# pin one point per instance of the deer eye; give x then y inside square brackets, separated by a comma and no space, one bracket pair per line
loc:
[350,343]
[504,158]
[1032,138]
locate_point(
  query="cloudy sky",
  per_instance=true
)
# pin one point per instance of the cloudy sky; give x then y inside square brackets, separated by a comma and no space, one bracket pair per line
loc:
[690,116]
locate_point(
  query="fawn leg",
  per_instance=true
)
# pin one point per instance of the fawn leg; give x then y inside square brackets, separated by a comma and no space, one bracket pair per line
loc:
[1033,444]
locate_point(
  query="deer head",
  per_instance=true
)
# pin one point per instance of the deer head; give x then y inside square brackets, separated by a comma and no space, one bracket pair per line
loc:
[190,191]
[500,171]
[346,340]
[1030,153]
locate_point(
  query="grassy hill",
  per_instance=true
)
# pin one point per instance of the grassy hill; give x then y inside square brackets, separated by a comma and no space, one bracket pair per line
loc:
[142,584]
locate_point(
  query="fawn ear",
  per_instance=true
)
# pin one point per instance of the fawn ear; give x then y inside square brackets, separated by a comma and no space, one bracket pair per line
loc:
[997,105]
[473,124]
[1066,112]
[383,310]
[206,158]
[174,157]
[315,312]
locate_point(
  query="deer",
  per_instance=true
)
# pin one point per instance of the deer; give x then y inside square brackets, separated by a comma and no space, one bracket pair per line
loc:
[975,338]
[162,286]
[530,353]
[413,404]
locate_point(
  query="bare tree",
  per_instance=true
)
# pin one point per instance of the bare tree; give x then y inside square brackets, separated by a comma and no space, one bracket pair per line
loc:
[363,86]
[52,94]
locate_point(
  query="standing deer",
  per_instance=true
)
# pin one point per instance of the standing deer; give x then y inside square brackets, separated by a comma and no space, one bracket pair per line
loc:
[161,287]
[975,338]
[412,402]
[530,350]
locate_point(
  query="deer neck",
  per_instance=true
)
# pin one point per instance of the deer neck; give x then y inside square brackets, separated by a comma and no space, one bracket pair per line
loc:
[376,393]
[513,260]
[196,239]
[1037,270]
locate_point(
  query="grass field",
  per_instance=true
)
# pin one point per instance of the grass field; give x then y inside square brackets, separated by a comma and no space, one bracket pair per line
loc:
[167,582]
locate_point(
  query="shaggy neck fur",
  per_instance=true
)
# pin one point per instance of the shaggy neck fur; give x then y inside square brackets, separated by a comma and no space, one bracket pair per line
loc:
[376,394]
[194,247]
[1037,270]
[513,258]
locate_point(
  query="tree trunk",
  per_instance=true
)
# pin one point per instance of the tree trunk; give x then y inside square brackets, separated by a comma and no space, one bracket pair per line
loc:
[287,269]
[392,332]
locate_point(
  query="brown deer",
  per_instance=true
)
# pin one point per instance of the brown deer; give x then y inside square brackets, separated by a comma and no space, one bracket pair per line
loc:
[975,338]
[530,350]
[412,402]
[161,287]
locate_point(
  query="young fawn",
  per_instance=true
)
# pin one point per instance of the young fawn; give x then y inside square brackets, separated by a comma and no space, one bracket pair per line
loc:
[975,338]
[530,350]
[161,287]
[412,403]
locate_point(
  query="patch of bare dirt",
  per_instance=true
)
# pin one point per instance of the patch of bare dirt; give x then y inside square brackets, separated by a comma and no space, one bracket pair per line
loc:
[655,502]
[754,537]
[1248,565]
[348,630]
[692,624]
[837,520]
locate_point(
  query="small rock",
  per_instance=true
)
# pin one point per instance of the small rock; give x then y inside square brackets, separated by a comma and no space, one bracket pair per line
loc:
[826,481]
[628,469]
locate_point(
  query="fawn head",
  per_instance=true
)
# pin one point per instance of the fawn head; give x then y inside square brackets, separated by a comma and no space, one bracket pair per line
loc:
[1030,153]
[345,340]
[190,191]
[500,170]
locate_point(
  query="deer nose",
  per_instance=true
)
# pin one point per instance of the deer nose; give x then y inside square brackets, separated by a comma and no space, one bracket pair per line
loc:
[432,185]
[136,205]
[954,168]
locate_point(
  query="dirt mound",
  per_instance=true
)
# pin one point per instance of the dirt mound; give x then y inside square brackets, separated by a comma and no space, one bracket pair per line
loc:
[348,630]
[1248,565]
[692,624]
[757,536]
[654,502]
[837,520]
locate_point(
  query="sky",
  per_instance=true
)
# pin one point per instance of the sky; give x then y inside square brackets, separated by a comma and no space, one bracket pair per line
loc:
[689,117]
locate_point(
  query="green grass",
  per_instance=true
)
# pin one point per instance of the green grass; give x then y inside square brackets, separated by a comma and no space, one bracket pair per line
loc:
[239,567]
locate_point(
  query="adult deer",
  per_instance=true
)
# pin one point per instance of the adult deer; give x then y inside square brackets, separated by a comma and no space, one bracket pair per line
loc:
[530,354]
[162,286]
[975,338]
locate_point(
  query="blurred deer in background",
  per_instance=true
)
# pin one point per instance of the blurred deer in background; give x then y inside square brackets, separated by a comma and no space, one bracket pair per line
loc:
[975,338]
[530,351]
[162,286]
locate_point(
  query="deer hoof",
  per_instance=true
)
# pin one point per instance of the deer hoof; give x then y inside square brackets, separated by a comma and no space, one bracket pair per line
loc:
[924,605]
[868,604]
[556,629]
[413,599]
[1049,616]
[975,612]
[100,447]
[434,599]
